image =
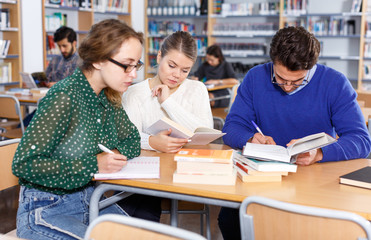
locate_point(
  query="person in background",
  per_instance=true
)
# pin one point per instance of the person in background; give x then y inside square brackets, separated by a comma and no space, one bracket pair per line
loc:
[59,154]
[168,94]
[60,66]
[63,65]
[292,97]
[216,71]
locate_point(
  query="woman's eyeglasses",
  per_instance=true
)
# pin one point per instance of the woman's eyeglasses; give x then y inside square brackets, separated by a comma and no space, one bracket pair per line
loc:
[283,82]
[127,67]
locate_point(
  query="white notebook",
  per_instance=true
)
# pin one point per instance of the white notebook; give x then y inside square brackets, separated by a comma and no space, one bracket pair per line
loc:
[139,167]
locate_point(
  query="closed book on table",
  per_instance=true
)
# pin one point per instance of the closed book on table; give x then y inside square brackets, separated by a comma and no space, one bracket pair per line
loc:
[358,178]
[251,171]
[267,166]
[205,155]
[245,177]
[209,179]
[203,167]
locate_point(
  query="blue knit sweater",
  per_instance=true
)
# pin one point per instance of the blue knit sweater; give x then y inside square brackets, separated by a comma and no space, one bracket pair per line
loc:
[327,104]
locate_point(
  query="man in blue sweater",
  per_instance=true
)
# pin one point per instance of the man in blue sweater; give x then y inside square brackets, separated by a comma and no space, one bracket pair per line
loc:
[290,98]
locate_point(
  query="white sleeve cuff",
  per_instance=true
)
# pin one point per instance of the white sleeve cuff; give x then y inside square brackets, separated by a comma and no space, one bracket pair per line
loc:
[144,141]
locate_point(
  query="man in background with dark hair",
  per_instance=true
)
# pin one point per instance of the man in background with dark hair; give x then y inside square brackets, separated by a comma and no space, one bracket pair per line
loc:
[63,65]
[292,97]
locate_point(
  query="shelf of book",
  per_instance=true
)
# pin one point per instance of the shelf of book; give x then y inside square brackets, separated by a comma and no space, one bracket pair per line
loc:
[80,15]
[10,43]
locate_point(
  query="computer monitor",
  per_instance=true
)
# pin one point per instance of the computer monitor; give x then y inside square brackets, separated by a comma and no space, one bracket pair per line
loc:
[28,81]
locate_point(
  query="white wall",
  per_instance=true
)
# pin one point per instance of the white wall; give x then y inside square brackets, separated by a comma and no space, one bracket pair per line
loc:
[137,22]
[32,37]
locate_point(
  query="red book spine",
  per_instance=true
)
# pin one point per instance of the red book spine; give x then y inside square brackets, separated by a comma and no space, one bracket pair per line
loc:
[242,167]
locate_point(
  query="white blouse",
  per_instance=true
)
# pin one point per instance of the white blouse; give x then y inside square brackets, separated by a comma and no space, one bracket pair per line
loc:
[189,106]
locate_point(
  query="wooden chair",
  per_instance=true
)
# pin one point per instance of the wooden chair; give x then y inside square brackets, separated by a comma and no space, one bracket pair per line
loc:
[12,111]
[8,185]
[264,218]
[222,112]
[113,226]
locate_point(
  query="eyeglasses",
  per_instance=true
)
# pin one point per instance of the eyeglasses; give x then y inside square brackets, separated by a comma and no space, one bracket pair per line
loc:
[127,67]
[288,83]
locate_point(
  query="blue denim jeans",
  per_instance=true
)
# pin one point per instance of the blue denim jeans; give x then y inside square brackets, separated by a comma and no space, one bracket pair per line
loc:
[42,215]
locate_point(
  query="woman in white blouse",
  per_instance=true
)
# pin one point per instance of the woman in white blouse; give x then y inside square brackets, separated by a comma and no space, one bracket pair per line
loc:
[169,94]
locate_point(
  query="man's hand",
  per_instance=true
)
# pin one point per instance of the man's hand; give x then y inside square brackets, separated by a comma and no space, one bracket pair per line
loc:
[307,158]
[260,139]
[164,143]
[110,163]
[310,157]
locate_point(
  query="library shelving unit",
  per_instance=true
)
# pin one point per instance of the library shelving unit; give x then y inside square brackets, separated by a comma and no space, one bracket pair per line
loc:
[161,21]
[244,32]
[12,32]
[81,18]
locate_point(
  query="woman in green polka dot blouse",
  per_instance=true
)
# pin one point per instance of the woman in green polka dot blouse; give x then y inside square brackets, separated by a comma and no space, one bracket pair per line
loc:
[59,153]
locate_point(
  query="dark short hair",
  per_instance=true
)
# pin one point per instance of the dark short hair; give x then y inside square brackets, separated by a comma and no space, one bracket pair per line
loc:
[182,42]
[295,48]
[216,51]
[65,32]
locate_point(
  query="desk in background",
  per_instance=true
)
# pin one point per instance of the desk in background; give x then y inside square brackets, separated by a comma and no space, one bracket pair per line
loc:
[316,185]
[27,100]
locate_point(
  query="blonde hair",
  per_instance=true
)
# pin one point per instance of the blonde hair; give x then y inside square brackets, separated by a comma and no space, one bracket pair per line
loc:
[102,42]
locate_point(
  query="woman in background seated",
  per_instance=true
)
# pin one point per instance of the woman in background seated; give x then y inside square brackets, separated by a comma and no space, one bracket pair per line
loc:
[168,94]
[216,71]
[59,154]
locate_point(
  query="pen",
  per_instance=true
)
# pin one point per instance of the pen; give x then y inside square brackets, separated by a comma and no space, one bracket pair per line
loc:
[257,128]
[104,149]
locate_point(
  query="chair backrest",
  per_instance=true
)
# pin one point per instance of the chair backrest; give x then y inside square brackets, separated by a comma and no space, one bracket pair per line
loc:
[264,218]
[233,95]
[11,109]
[7,150]
[114,226]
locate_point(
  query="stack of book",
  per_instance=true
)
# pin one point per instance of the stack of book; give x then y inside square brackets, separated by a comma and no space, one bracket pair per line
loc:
[205,166]
[252,170]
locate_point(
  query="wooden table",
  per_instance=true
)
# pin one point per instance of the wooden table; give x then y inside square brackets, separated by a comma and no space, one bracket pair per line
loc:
[27,100]
[316,185]
[220,86]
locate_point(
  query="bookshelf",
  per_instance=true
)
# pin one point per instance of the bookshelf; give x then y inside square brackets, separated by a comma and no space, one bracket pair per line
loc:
[244,29]
[161,20]
[11,60]
[80,16]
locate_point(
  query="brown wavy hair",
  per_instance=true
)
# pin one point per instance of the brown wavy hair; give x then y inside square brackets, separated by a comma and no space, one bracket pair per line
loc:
[102,42]
[295,48]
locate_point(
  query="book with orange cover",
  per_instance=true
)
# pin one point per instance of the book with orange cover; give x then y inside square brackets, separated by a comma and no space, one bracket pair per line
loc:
[205,155]
[203,167]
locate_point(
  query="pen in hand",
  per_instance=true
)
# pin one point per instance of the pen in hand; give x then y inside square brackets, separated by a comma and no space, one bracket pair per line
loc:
[104,149]
[257,128]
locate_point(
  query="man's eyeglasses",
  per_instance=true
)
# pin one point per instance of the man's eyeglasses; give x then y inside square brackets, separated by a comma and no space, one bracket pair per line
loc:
[127,67]
[283,82]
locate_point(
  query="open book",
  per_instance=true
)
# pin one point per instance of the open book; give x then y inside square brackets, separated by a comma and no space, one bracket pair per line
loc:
[282,154]
[200,136]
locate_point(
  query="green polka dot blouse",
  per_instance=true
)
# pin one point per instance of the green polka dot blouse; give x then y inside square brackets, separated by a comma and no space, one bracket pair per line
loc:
[58,151]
